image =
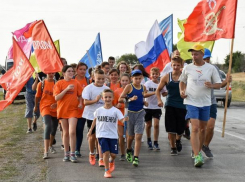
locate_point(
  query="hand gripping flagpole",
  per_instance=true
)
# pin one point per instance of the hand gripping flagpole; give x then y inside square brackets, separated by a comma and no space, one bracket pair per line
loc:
[227,87]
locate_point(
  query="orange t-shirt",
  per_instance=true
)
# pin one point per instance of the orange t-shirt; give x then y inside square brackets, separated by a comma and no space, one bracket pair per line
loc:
[67,107]
[117,94]
[83,82]
[114,86]
[47,98]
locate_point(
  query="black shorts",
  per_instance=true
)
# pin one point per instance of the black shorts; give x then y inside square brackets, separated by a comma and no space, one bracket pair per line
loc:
[152,113]
[175,120]
[89,124]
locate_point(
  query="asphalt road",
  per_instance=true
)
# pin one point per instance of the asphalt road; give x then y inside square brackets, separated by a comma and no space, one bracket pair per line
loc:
[226,166]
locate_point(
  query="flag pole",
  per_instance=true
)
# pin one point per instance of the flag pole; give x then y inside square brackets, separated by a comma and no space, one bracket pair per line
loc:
[227,87]
[90,61]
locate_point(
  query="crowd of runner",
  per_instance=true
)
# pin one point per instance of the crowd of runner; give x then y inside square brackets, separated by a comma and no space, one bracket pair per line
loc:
[118,103]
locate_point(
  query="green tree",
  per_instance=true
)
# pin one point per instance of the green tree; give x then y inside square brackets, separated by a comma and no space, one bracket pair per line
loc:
[130,59]
[238,61]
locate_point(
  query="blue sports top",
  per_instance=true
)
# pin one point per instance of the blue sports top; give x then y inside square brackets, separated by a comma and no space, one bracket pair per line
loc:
[136,105]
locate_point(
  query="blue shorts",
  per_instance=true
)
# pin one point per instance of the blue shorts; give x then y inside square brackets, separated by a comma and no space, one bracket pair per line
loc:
[213,111]
[108,144]
[201,113]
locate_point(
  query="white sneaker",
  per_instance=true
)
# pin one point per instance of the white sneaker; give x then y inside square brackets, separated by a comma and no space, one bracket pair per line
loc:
[52,150]
[142,140]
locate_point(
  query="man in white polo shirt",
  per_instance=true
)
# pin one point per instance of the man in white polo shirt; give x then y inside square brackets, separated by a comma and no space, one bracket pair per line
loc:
[195,87]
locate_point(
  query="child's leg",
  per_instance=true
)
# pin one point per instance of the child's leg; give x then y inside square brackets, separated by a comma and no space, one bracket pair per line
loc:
[156,129]
[148,130]
[130,140]
[65,128]
[54,126]
[172,140]
[137,144]
[92,143]
[72,133]
[121,139]
[106,160]
[79,133]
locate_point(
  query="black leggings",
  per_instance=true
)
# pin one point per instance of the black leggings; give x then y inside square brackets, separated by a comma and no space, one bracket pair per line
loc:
[51,124]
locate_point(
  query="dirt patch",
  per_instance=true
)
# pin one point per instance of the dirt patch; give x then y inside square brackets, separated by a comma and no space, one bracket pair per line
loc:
[20,153]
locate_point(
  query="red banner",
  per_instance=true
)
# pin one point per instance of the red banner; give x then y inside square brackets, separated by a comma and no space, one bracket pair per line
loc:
[15,78]
[211,20]
[47,56]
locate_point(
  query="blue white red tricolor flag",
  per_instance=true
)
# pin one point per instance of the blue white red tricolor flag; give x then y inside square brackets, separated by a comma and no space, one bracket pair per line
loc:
[166,27]
[153,52]
[94,55]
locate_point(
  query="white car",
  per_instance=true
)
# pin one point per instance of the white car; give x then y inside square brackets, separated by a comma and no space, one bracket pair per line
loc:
[220,94]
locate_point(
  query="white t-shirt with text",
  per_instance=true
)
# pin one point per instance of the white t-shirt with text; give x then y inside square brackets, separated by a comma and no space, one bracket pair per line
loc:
[107,121]
[90,92]
[152,100]
[195,76]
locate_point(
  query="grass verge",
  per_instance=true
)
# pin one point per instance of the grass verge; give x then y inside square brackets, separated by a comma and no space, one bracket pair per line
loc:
[238,91]
[16,155]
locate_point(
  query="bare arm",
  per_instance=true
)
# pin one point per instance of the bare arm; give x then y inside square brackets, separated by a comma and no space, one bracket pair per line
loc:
[182,88]
[62,94]
[162,83]
[90,102]
[124,93]
[37,100]
[34,85]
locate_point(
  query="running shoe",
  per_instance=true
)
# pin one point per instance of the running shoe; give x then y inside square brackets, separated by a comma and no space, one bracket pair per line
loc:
[62,147]
[92,159]
[156,147]
[101,163]
[52,150]
[192,154]
[34,126]
[78,154]
[66,159]
[200,154]
[122,158]
[112,166]
[142,140]
[136,162]
[129,156]
[150,147]
[198,162]
[107,174]
[178,145]
[174,152]
[45,156]
[29,131]
[207,152]
[73,159]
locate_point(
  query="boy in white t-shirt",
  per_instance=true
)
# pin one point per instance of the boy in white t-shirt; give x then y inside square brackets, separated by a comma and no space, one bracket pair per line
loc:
[92,101]
[153,110]
[106,121]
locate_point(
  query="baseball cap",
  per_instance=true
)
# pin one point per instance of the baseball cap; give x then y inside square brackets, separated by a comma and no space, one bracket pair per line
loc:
[135,72]
[207,53]
[197,47]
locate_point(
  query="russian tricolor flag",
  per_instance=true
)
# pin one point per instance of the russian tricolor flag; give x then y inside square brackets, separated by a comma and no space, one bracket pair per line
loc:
[153,52]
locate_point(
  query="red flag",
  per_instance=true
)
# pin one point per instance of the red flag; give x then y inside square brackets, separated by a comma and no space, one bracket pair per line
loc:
[47,56]
[15,78]
[211,20]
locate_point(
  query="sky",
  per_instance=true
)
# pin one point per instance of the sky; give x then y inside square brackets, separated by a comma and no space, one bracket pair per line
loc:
[121,23]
